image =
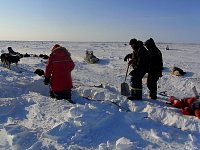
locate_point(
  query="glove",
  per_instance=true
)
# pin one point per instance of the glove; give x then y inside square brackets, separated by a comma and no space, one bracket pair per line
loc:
[46,81]
[127,57]
[132,62]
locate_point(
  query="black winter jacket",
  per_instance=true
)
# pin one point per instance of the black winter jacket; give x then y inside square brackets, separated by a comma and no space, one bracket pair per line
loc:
[156,61]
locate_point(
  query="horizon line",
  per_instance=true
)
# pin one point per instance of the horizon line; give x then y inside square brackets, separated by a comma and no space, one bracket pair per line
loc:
[91,41]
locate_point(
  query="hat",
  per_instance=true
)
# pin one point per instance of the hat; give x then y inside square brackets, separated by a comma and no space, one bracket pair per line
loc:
[9,47]
[149,43]
[140,43]
[55,46]
[132,41]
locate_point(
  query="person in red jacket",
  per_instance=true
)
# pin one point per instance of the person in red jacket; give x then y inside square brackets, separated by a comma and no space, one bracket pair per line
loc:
[58,73]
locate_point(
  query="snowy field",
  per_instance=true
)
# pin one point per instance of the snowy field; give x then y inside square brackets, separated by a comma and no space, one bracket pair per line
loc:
[30,119]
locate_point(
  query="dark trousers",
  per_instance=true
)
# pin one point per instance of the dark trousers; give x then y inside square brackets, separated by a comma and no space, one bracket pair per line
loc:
[61,94]
[152,84]
[136,84]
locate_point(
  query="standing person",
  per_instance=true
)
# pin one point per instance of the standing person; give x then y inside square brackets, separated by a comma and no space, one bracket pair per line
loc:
[155,67]
[139,62]
[58,73]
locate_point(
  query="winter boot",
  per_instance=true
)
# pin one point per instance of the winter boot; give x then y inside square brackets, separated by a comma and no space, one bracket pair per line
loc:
[51,94]
[136,94]
[152,95]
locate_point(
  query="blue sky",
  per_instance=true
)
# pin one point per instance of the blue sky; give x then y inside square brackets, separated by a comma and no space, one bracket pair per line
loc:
[100,20]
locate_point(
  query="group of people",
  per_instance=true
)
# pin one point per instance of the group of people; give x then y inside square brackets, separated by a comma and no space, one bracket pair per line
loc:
[145,58]
[59,67]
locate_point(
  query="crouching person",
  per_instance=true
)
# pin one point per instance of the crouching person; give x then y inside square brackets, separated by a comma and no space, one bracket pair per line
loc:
[58,73]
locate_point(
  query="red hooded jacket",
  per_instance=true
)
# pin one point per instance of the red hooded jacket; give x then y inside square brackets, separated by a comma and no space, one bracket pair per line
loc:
[58,69]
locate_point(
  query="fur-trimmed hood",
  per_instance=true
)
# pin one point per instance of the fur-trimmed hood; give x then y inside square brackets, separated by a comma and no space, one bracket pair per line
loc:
[150,43]
[60,50]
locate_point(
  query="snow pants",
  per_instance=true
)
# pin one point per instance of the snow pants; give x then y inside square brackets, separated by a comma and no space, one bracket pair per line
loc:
[152,84]
[61,94]
[136,84]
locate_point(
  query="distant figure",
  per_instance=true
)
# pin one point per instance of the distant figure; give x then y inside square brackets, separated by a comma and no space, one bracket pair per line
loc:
[167,48]
[11,51]
[58,73]
[139,60]
[155,67]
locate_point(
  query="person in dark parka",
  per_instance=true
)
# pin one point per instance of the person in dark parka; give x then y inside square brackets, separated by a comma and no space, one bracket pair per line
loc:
[139,62]
[155,67]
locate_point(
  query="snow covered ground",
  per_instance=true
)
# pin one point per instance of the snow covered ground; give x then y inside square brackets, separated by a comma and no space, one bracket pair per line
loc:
[30,119]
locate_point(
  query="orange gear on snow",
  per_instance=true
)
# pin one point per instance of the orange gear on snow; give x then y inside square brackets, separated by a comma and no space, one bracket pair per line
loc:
[185,105]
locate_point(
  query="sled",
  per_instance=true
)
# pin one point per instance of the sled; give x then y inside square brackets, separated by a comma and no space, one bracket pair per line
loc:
[124,86]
